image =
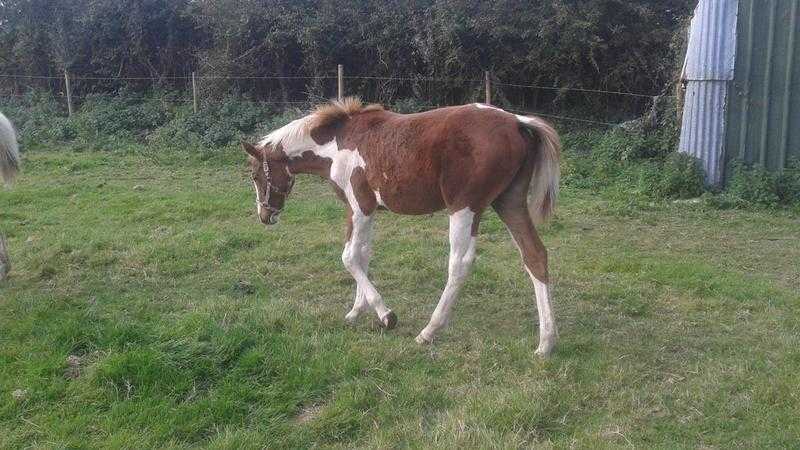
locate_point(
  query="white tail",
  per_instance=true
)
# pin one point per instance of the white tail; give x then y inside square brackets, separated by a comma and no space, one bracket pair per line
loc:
[9,151]
[543,190]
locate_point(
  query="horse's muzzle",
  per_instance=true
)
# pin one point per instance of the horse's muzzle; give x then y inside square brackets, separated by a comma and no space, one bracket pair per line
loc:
[268,216]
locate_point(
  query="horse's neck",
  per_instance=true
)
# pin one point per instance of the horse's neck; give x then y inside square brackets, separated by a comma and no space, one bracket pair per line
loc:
[310,163]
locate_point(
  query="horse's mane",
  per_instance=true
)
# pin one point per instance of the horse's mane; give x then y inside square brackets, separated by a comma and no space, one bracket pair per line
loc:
[338,110]
[323,115]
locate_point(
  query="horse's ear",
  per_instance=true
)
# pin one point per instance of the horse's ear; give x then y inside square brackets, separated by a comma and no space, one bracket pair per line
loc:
[252,151]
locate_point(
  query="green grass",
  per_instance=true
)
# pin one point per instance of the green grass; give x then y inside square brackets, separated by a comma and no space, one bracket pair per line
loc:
[195,326]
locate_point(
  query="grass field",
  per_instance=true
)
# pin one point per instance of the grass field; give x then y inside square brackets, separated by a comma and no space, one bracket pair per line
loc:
[147,308]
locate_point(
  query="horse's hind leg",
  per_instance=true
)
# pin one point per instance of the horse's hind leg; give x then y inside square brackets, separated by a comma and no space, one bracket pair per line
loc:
[512,209]
[462,254]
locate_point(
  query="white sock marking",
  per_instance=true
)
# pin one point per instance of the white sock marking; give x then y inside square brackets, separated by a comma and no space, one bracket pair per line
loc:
[547,325]
[462,255]
[355,256]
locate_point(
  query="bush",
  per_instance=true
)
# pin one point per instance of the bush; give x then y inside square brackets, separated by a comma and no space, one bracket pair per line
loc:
[788,184]
[39,118]
[216,124]
[679,176]
[756,185]
[108,122]
[591,159]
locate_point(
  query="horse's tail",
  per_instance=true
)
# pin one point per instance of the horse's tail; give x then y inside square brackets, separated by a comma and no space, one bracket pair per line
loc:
[9,151]
[543,190]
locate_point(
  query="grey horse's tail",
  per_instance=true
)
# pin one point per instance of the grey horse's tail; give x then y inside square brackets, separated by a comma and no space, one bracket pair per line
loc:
[9,151]
[543,191]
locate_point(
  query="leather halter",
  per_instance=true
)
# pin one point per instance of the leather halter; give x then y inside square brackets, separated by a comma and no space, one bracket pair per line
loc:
[274,189]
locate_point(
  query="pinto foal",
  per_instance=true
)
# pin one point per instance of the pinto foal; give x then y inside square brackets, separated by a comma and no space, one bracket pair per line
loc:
[462,159]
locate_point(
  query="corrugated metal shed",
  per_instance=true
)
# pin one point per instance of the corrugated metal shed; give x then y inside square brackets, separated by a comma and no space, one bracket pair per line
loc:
[708,69]
[764,105]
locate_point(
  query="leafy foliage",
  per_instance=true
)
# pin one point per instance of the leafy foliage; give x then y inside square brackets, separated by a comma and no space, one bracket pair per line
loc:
[106,123]
[678,176]
[758,186]
[599,44]
[635,159]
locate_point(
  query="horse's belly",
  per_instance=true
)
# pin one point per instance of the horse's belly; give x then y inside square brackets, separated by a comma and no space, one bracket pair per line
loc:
[410,198]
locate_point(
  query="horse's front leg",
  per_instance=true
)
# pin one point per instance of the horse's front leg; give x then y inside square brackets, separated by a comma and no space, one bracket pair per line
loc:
[462,254]
[355,257]
[360,303]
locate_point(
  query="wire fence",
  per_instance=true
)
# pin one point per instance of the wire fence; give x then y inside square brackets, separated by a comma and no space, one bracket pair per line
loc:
[489,87]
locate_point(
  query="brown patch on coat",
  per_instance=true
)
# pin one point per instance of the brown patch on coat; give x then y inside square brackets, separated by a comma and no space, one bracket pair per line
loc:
[310,163]
[451,158]
[327,119]
[338,110]
[364,195]
[511,207]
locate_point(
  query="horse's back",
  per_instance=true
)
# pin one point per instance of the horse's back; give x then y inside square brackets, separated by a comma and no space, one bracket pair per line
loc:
[424,162]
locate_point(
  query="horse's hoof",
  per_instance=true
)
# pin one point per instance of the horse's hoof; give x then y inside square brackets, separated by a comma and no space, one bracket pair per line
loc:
[422,340]
[546,346]
[350,318]
[389,321]
[543,352]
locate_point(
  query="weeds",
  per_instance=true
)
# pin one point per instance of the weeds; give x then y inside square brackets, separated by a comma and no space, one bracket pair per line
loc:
[757,186]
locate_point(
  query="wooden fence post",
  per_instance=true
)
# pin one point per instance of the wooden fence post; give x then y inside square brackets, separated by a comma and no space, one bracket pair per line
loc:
[69,92]
[194,93]
[340,79]
[488,87]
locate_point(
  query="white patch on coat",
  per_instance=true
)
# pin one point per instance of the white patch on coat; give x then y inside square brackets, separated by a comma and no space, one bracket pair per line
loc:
[294,137]
[548,334]
[355,257]
[258,197]
[379,199]
[533,121]
[485,106]
[328,150]
[342,166]
[462,255]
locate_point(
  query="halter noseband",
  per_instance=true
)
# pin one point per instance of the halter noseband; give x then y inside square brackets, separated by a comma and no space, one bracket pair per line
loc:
[270,188]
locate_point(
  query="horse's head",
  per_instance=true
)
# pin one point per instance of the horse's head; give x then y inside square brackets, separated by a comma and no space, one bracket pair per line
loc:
[272,180]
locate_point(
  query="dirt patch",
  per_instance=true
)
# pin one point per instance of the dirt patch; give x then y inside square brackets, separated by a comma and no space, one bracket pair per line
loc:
[73,369]
[308,413]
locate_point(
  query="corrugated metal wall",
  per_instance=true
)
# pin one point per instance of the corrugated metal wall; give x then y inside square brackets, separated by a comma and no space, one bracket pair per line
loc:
[763,113]
[707,70]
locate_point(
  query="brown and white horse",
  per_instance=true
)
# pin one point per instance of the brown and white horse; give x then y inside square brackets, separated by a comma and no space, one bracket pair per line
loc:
[462,159]
[9,166]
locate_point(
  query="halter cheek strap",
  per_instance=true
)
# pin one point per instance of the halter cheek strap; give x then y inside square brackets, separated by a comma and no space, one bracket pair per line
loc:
[270,188]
